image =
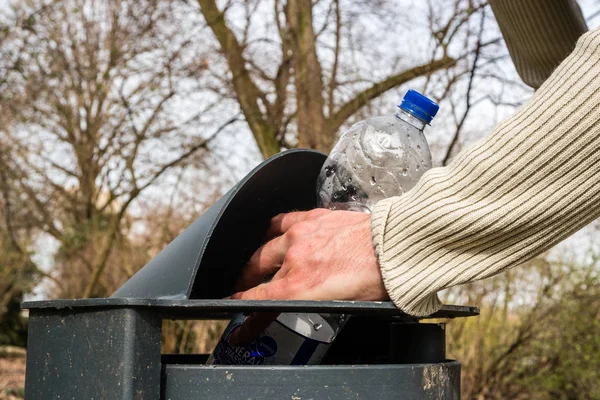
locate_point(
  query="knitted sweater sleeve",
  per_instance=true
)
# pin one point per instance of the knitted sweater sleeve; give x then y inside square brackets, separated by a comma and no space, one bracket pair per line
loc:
[531,183]
[539,34]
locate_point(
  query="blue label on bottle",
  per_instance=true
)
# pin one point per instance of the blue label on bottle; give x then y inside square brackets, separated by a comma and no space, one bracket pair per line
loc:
[253,353]
[266,346]
[277,345]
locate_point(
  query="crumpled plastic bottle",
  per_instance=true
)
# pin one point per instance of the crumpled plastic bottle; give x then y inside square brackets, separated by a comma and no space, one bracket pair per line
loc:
[378,158]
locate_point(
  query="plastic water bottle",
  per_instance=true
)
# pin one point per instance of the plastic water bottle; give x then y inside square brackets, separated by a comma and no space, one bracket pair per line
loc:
[292,339]
[376,158]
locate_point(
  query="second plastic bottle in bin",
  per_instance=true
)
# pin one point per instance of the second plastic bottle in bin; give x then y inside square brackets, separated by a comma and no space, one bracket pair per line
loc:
[376,158]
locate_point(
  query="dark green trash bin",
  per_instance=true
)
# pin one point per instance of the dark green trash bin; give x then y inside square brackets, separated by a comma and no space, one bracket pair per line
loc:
[110,348]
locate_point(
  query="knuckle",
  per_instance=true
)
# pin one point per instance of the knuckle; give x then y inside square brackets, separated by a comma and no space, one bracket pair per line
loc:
[296,231]
[269,292]
[263,291]
[277,219]
[295,255]
[317,212]
[295,282]
[242,296]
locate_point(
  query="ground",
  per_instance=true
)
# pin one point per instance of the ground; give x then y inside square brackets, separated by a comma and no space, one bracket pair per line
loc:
[12,377]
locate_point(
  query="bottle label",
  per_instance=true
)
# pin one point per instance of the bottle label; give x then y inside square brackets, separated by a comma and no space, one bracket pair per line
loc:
[277,345]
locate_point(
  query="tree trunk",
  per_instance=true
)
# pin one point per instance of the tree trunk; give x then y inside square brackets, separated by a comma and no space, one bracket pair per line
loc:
[307,78]
[248,94]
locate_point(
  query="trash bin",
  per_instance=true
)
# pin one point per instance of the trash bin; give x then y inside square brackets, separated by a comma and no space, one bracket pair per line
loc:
[111,348]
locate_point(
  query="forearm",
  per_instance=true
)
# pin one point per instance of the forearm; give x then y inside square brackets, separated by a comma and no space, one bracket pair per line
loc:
[539,34]
[531,183]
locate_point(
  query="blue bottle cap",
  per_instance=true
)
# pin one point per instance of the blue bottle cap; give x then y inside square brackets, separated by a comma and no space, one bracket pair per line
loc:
[419,106]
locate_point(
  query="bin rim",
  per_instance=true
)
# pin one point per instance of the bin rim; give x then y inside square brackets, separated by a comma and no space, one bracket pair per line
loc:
[215,308]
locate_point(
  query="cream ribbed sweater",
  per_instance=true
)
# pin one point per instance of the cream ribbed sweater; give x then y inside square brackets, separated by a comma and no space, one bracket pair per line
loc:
[534,181]
[539,34]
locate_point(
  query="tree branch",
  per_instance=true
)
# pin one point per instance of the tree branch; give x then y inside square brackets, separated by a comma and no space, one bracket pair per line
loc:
[362,98]
[116,220]
[282,78]
[336,55]
[246,90]
[468,103]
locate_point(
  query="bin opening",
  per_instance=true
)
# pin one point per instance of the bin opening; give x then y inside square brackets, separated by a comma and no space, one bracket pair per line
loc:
[204,261]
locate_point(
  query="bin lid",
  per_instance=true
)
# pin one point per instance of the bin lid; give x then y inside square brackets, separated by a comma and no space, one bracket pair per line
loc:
[204,261]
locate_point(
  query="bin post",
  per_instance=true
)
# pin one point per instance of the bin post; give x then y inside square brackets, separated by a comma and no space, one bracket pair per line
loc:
[93,354]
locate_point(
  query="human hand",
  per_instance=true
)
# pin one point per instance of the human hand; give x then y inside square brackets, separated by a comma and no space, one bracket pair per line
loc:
[314,255]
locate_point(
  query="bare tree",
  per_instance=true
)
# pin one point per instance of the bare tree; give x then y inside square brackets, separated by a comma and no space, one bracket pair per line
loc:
[18,274]
[317,85]
[100,119]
